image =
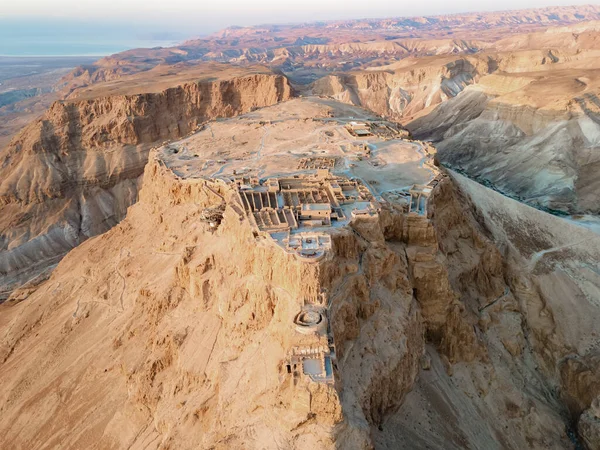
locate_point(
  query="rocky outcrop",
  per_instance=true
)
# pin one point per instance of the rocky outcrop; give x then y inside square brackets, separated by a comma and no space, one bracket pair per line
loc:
[72,174]
[531,289]
[535,375]
[182,376]
[406,90]
[543,157]
[589,426]
[432,320]
[177,348]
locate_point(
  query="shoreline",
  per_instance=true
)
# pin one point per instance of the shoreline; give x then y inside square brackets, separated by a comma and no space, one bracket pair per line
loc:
[100,55]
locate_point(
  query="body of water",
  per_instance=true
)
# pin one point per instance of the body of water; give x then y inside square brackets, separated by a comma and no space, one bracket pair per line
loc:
[56,37]
[97,47]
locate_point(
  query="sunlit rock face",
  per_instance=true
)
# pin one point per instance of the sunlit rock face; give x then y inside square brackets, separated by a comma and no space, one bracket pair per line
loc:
[192,324]
[302,273]
[73,173]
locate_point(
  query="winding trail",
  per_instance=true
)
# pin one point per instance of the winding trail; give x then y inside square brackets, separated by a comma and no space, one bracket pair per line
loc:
[535,258]
[506,292]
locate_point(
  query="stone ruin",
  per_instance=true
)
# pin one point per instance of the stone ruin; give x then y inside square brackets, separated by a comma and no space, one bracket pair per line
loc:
[297,211]
[314,358]
[359,129]
[213,216]
[312,163]
[419,195]
[383,130]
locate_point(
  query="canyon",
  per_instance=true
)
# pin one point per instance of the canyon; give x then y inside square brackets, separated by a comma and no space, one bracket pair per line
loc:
[339,235]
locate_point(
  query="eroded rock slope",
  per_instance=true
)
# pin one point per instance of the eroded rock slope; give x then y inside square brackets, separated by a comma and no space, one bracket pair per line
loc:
[152,335]
[72,174]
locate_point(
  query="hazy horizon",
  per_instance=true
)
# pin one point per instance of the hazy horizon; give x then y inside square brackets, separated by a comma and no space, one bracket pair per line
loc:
[67,28]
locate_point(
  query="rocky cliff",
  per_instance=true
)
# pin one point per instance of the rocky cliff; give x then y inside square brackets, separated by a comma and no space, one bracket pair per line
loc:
[406,88]
[523,280]
[525,121]
[537,145]
[72,173]
[450,331]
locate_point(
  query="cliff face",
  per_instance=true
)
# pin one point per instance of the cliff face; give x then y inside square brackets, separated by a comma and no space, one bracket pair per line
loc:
[405,89]
[193,355]
[437,322]
[521,279]
[73,173]
[412,88]
[545,156]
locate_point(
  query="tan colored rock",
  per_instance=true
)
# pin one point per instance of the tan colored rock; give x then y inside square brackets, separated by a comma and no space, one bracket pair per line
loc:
[589,426]
[73,173]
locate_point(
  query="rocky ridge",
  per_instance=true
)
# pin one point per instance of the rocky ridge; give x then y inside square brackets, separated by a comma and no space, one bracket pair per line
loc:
[72,174]
[305,52]
[169,329]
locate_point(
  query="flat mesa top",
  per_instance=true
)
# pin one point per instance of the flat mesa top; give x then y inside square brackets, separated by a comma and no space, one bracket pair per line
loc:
[297,138]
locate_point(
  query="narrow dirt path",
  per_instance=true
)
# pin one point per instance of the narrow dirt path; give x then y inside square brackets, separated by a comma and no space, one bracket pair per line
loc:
[535,258]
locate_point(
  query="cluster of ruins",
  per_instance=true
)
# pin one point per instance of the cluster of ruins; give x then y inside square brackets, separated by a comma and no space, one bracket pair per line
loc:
[415,198]
[312,356]
[322,162]
[383,130]
[295,211]
[419,195]
[356,151]
[359,129]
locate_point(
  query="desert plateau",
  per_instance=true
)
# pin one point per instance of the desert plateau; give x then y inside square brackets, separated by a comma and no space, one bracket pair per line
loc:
[351,234]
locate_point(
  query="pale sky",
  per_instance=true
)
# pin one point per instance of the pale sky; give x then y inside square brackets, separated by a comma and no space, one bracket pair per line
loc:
[210,15]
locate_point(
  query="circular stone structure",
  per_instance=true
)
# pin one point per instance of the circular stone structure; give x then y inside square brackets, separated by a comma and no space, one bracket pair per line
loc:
[309,255]
[310,320]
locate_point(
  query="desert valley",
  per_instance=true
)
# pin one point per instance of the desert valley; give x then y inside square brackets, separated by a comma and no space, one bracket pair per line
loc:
[363,234]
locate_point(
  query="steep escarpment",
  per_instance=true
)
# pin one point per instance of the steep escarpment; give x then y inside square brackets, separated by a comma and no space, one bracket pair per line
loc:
[73,173]
[449,330]
[529,137]
[512,269]
[550,302]
[175,330]
[404,89]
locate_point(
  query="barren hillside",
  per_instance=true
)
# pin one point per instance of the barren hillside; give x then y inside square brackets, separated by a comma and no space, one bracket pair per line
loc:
[197,251]
[73,173]
[448,326]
